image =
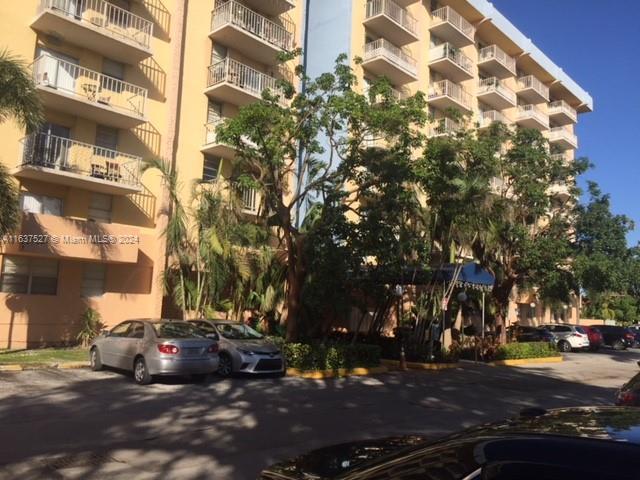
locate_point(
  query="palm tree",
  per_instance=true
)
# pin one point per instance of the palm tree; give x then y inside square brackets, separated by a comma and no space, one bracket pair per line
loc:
[18,100]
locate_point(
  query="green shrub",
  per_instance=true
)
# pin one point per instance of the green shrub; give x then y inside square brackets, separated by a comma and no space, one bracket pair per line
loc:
[319,356]
[92,325]
[513,351]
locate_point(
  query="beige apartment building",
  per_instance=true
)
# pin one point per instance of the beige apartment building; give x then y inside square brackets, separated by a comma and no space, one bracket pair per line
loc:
[127,80]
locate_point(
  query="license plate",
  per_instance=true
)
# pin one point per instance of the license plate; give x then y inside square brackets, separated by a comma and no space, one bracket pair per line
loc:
[192,352]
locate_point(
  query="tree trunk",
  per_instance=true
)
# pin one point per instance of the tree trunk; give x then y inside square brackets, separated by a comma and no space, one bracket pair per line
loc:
[295,280]
[501,293]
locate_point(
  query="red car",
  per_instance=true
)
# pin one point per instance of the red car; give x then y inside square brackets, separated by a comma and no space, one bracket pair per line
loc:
[595,338]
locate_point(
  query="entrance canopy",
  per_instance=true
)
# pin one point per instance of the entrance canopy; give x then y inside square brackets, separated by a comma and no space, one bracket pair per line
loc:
[471,276]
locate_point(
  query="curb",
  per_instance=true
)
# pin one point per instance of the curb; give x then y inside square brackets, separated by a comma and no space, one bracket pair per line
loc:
[17,367]
[525,361]
[421,366]
[341,372]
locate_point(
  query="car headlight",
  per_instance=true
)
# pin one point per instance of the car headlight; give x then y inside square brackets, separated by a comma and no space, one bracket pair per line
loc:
[246,352]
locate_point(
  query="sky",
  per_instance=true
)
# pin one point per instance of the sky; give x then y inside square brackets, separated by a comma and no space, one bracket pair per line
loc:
[597,44]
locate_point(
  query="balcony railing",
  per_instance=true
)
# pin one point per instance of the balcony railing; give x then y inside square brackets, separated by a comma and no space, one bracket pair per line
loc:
[560,106]
[531,111]
[443,126]
[249,199]
[494,84]
[243,77]
[69,156]
[490,116]
[449,15]
[446,50]
[559,157]
[531,82]
[80,82]
[452,90]
[494,52]
[105,16]
[394,11]
[562,133]
[233,13]
[397,56]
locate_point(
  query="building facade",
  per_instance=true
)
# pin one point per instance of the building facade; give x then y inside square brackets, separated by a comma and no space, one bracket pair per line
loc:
[127,80]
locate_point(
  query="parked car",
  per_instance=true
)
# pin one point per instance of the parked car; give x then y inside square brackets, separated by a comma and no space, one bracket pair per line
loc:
[616,337]
[242,349]
[532,334]
[629,393]
[567,444]
[635,329]
[595,338]
[155,347]
[569,337]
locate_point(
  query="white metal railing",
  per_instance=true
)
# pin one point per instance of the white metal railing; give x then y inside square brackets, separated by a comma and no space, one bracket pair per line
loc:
[449,15]
[559,157]
[562,133]
[497,185]
[494,84]
[493,52]
[249,199]
[105,16]
[560,106]
[394,11]
[449,89]
[446,50]
[234,13]
[443,126]
[58,74]
[66,155]
[244,77]
[490,116]
[394,93]
[531,82]
[396,55]
[531,111]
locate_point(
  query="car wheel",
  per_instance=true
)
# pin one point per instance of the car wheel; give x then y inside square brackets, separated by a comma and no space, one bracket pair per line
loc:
[618,345]
[95,360]
[225,367]
[564,347]
[141,372]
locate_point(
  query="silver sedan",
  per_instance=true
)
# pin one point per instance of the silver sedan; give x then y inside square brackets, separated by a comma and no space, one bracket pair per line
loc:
[242,349]
[155,347]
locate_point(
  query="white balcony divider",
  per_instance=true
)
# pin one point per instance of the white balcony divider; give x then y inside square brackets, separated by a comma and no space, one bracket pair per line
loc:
[560,106]
[531,111]
[448,14]
[396,55]
[490,116]
[242,76]
[234,13]
[493,52]
[450,89]
[394,11]
[443,126]
[66,155]
[58,74]
[532,82]
[494,84]
[105,16]
[446,50]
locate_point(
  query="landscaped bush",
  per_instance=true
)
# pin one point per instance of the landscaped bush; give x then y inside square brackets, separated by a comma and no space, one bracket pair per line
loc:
[318,356]
[513,351]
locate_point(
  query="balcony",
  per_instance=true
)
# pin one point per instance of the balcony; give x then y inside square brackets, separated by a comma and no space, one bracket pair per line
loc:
[530,116]
[446,94]
[532,90]
[450,62]
[234,82]
[77,239]
[384,59]
[562,138]
[218,149]
[560,157]
[560,190]
[96,25]
[250,199]
[81,92]
[443,127]
[395,94]
[450,26]
[273,8]
[63,161]
[494,60]
[391,21]
[562,113]
[489,117]
[494,93]
[252,34]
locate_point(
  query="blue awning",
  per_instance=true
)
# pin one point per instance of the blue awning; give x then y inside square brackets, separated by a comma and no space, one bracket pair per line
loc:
[471,276]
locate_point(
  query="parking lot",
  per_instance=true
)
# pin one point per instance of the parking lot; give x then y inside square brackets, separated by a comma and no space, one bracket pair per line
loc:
[81,424]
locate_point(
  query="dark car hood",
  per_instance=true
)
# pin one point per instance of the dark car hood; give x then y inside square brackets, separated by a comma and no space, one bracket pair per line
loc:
[610,423]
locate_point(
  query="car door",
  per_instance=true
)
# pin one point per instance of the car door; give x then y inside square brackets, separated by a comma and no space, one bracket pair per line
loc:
[110,345]
[131,345]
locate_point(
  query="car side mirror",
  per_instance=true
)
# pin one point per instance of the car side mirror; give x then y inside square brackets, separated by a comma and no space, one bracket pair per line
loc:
[105,333]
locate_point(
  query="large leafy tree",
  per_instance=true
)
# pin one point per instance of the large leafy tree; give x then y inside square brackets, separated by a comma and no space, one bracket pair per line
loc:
[19,101]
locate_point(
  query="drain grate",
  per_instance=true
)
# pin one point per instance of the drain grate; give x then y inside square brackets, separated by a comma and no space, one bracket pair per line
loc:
[79,460]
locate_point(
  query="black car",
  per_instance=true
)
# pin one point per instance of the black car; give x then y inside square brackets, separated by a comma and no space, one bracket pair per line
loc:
[568,444]
[635,329]
[629,394]
[616,337]
[532,334]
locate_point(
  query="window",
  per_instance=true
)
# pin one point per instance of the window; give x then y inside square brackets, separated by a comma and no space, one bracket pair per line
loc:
[106,141]
[93,276]
[32,203]
[218,53]
[136,330]
[210,168]
[214,112]
[113,72]
[100,208]
[120,330]
[34,276]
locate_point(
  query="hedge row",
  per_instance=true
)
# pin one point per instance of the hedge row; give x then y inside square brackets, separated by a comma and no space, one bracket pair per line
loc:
[514,351]
[319,356]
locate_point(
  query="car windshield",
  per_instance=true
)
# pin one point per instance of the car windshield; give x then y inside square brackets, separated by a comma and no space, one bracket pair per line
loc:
[176,330]
[237,331]
[580,330]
